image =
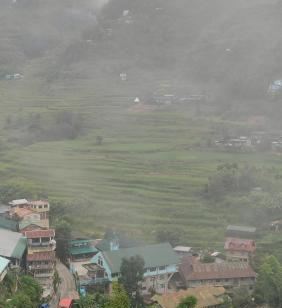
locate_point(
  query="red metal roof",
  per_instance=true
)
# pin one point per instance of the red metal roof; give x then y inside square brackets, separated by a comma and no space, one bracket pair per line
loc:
[65,303]
[237,244]
[191,269]
[39,233]
[41,256]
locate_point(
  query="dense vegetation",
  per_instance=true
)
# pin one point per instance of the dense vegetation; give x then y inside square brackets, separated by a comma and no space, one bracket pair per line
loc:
[70,131]
[19,291]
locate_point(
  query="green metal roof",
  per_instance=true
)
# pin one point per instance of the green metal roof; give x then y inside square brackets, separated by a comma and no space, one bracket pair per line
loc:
[3,264]
[8,224]
[82,250]
[80,242]
[153,255]
[20,248]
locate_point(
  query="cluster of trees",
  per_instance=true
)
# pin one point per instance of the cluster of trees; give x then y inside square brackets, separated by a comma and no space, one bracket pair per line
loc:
[230,178]
[19,292]
[37,127]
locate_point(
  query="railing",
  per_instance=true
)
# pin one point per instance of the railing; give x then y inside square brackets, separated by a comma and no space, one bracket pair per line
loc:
[95,281]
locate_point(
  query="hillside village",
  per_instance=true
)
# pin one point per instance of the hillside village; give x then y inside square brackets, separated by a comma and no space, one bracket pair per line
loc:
[28,245]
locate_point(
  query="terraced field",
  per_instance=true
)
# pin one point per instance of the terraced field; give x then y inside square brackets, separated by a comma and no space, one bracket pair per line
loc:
[149,172]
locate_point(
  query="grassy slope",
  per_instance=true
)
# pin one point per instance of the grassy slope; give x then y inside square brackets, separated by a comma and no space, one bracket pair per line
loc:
[148,173]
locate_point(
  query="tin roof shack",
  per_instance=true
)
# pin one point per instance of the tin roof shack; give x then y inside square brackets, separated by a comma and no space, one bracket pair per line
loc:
[183,251]
[239,249]
[13,246]
[226,274]
[243,232]
[207,297]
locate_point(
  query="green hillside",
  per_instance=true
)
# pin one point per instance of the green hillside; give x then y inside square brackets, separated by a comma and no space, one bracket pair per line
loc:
[153,165]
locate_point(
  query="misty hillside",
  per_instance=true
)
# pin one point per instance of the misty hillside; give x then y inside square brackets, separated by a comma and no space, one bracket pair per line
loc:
[232,46]
[70,130]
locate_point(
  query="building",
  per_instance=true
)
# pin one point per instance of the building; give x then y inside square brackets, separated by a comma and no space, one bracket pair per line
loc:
[240,232]
[207,297]
[161,263]
[4,263]
[40,240]
[41,256]
[13,246]
[19,203]
[19,214]
[226,274]
[42,265]
[82,249]
[33,211]
[239,249]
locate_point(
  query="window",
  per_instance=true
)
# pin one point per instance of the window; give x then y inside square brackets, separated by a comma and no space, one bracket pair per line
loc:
[162,268]
[100,261]
[162,286]
[45,206]
[153,269]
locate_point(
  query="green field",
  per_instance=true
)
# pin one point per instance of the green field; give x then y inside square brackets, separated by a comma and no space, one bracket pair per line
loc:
[149,172]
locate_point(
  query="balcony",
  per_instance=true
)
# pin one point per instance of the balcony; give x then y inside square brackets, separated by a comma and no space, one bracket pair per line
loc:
[93,282]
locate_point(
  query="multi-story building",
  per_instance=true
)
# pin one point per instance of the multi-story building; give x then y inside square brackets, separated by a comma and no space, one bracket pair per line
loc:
[238,249]
[41,255]
[161,263]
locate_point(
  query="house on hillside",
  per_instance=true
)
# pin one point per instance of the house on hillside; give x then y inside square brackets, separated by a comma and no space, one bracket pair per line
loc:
[207,297]
[82,249]
[4,263]
[13,246]
[33,211]
[40,240]
[240,232]
[225,274]
[239,249]
[41,256]
[19,203]
[161,263]
[41,265]
[20,214]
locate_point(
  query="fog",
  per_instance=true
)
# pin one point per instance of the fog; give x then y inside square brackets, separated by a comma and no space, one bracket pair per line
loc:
[144,115]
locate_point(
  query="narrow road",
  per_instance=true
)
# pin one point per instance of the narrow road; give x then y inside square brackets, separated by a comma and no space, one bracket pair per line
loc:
[67,286]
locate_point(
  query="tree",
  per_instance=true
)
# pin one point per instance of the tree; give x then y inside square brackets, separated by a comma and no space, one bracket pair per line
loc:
[20,300]
[56,281]
[171,236]
[93,301]
[241,297]
[269,283]
[188,302]
[63,235]
[119,298]
[132,271]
